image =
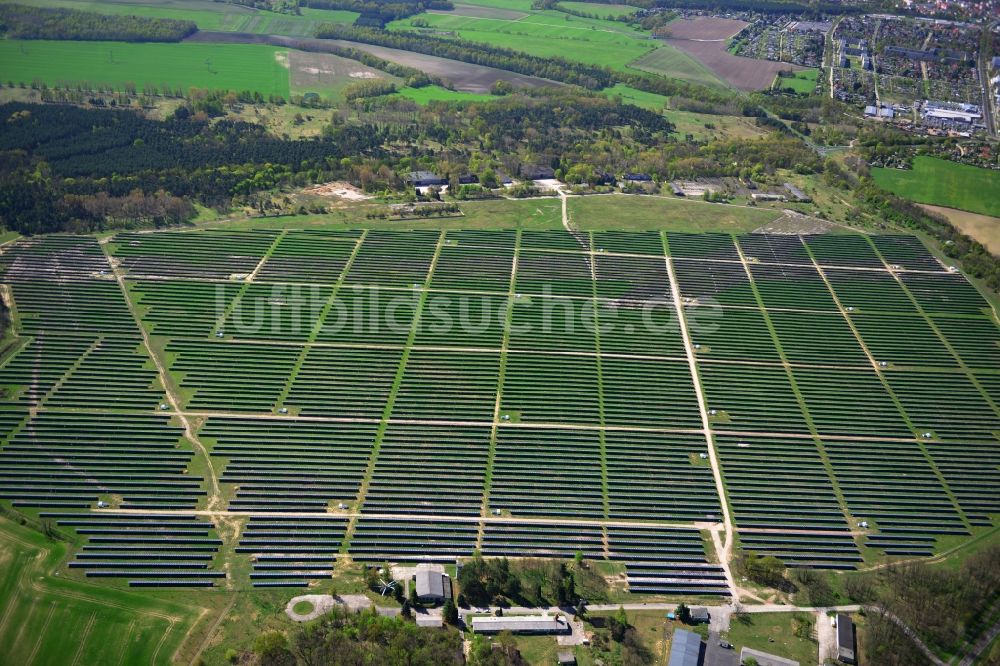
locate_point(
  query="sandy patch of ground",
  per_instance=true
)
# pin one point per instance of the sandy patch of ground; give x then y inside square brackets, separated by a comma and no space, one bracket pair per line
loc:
[338,189]
[795,223]
[322,604]
[282,58]
[983,228]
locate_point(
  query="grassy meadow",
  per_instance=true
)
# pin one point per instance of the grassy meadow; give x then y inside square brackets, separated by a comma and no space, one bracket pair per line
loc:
[803,82]
[639,213]
[217,66]
[429,94]
[943,183]
[629,95]
[545,34]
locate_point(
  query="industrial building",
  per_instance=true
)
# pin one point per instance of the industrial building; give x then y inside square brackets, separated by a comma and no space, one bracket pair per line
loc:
[521,624]
[846,651]
[433,587]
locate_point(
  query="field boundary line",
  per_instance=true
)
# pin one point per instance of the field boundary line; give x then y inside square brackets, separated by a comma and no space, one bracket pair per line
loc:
[70,370]
[602,433]
[320,320]
[970,375]
[208,635]
[725,554]
[799,397]
[888,387]
[390,401]
[444,518]
[215,495]
[267,255]
[498,404]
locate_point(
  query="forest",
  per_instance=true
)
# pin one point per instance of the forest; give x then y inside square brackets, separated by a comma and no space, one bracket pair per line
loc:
[217,162]
[22,22]
[942,605]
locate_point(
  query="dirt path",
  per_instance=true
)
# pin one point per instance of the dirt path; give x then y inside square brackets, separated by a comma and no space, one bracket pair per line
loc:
[215,496]
[724,549]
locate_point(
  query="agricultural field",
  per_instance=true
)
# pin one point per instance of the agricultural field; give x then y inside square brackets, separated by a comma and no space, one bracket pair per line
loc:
[527,392]
[944,183]
[256,68]
[600,9]
[544,34]
[669,61]
[983,228]
[207,15]
[705,39]
[48,619]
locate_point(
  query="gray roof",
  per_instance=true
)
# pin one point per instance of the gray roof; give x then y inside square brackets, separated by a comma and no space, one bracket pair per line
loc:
[845,633]
[699,613]
[537,624]
[765,659]
[685,648]
[429,583]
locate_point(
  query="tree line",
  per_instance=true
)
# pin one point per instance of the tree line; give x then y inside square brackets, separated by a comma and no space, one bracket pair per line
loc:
[21,22]
[376,13]
[591,77]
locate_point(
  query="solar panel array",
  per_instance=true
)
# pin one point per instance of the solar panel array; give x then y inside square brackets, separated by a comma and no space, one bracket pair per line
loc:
[421,395]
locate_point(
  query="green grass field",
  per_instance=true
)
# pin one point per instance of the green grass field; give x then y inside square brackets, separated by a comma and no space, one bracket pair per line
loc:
[600,9]
[429,94]
[50,620]
[638,213]
[208,15]
[803,82]
[629,95]
[774,633]
[672,62]
[943,183]
[547,34]
[216,66]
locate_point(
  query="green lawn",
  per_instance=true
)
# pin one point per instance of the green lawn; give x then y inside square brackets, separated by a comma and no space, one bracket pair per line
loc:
[49,620]
[546,34]
[803,82]
[637,213]
[943,183]
[629,95]
[774,633]
[217,66]
[438,94]
[208,15]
